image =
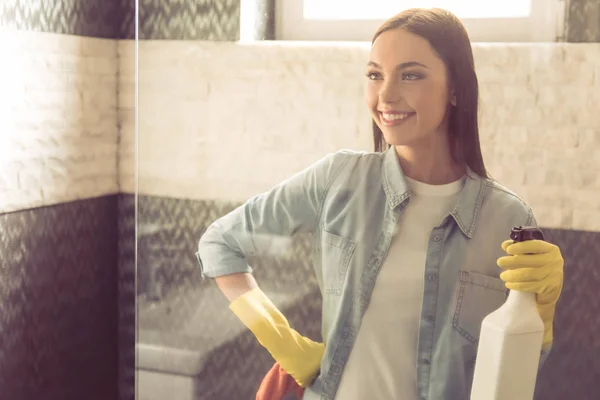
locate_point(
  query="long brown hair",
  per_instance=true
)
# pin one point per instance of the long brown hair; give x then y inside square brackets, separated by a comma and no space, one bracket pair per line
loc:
[449,38]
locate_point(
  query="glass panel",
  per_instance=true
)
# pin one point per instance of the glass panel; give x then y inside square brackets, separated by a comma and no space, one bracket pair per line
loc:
[223,120]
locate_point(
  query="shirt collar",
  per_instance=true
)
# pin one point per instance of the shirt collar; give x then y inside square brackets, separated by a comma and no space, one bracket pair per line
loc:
[467,207]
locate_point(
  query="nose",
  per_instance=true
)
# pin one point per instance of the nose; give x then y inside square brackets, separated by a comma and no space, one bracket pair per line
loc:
[389,93]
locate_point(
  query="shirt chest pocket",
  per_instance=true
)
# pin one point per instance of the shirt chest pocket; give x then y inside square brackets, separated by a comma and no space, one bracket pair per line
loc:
[337,251]
[477,296]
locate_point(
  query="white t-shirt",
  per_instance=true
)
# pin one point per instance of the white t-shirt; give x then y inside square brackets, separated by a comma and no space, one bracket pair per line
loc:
[383,361]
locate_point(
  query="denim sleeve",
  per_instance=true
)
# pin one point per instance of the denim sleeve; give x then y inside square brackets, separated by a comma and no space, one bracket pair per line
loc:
[267,221]
[531,221]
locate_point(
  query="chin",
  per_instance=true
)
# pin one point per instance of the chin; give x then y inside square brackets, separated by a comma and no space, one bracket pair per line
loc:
[396,139]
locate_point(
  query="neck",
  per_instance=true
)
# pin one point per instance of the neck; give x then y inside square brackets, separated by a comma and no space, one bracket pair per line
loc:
[430,164]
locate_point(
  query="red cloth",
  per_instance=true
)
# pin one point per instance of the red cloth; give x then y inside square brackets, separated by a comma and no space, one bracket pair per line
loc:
[279,385]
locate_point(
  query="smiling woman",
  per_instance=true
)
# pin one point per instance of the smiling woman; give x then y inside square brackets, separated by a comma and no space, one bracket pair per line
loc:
[429,74]
[405,238]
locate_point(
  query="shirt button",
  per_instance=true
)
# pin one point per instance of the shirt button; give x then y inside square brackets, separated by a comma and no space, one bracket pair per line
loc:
[430,319]
[437,238]
[426,362]
[432,277]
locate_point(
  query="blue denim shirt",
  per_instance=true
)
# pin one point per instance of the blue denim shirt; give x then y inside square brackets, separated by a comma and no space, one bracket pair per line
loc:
[350,201]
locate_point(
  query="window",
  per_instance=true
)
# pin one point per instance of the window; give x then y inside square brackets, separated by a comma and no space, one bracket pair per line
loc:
[357,20]
[382,9]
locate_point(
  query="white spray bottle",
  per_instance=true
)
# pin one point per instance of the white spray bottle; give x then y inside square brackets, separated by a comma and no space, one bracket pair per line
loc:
[510,343]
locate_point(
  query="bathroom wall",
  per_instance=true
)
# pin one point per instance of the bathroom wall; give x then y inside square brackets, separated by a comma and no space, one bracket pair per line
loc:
[58,203]
[220,122]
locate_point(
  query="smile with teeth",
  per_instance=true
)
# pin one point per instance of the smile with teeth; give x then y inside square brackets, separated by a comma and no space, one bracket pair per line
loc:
[395,117]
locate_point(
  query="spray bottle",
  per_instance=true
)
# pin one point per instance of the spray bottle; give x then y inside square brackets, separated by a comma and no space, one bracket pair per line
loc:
[510,343]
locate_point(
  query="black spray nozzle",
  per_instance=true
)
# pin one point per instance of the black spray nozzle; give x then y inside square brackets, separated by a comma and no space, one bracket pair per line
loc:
[521,234]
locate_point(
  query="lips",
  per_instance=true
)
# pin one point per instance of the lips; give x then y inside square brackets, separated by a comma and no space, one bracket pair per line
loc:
[395,117]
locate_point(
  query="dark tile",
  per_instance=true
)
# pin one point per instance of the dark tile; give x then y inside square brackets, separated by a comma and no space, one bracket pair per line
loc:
[126,283]
[582,21]
[167,232]
[97,18]
[573,367]
[213,20]
[58,302]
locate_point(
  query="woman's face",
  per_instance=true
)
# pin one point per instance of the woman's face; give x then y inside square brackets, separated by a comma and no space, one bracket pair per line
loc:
[407,90]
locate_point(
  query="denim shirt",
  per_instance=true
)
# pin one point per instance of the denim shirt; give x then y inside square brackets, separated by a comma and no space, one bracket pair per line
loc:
[350,201]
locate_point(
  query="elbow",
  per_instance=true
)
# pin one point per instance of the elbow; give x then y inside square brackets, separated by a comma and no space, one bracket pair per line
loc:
[209,239]
[207,247]
[219,254]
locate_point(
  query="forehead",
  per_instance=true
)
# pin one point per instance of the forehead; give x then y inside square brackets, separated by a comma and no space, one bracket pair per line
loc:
[398,46]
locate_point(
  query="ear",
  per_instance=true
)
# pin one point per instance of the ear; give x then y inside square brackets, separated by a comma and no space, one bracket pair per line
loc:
[453,100]
[452,95]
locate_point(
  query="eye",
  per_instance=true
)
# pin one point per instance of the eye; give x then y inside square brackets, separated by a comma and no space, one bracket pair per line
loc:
[373,75]
[411,76]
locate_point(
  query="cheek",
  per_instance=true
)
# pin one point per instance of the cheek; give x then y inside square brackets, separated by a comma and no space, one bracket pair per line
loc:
[430,100]
[372,100]
[371,96]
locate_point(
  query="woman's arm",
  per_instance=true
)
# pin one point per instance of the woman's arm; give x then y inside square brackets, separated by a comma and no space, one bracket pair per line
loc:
[263,226]
[236,285]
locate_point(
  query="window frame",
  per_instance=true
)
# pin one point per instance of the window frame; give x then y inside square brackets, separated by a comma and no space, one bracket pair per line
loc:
[544,25]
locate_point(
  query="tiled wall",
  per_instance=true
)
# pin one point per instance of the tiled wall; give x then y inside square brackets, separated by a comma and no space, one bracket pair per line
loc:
[225,121]
[95,18]
[59,119]
[58,109]
[60,145]
[213,20]
[220,122]
[58,204]
[58,105]
[58,302]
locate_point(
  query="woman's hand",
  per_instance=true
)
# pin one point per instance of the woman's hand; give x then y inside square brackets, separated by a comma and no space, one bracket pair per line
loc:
[535,266]
[299,356]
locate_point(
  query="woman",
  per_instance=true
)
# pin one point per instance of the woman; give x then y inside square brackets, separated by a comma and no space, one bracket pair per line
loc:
[407,240]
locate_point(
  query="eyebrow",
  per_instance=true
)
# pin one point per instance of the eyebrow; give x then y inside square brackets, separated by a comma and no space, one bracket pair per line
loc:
[402,65]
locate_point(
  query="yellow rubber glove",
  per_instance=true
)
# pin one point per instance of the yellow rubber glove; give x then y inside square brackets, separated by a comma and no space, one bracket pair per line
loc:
[535,266]
[298,356]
